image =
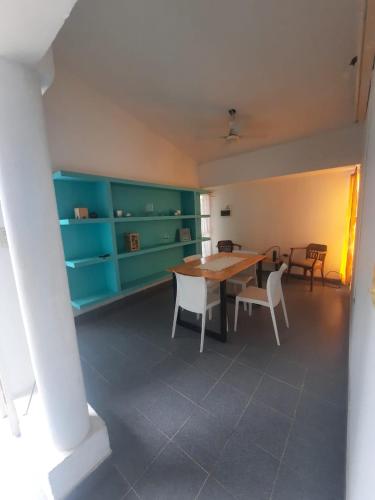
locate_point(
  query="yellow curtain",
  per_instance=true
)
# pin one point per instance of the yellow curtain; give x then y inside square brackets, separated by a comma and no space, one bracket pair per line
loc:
[351,223]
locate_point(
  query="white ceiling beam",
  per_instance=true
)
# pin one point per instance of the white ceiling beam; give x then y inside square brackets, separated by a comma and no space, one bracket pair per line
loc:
[28,28]
[366,60]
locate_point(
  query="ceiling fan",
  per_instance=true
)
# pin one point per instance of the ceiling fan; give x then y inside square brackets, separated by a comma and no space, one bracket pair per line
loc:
[254,129]
[232,135]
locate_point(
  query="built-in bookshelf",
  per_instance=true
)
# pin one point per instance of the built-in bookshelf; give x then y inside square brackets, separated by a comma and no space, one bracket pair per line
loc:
[98,263]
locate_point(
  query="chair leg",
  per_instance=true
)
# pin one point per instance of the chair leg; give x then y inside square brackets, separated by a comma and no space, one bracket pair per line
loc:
[250,305]
[210,314]
[244,304]
[174,320]
[197,316]
[274,325]
[284,309]
[288,272]
[202,332]
[311,279]
[236,314]
[323,278]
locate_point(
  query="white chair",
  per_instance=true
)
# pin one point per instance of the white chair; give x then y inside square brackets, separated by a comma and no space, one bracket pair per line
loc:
[269,297]
[212,286]
[243,278]
[193,295]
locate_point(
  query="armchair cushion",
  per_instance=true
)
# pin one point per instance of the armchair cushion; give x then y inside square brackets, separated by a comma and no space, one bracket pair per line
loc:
[306,263]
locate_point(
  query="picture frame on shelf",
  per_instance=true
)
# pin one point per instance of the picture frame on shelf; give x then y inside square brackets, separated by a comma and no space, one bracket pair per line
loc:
[132,242]
[185,234]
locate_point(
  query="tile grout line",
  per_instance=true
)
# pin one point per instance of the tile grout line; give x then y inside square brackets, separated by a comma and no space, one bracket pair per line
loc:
[123,477]
[224,372]
[237,423]
[184,423]
[169,441]
[288,436]
[253,393]
[94,369]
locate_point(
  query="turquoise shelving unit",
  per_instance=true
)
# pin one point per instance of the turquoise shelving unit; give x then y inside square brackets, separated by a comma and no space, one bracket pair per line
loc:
[98,265]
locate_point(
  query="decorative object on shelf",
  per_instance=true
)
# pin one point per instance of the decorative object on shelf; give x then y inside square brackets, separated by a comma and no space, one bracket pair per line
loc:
[185,234]
[177,212]
[132,242]
[119,213]
[93,215]
[165,238]
[81,213]
[149,208]
[128,214]
[225,212]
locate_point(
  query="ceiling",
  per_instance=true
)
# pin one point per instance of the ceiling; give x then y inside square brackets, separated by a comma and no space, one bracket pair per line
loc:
[178,65]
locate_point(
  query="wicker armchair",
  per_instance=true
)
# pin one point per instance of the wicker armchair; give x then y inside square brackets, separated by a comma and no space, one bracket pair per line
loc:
[314,259]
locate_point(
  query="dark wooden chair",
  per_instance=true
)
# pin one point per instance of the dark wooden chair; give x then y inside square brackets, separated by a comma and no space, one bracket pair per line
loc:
[314,260]
[227,246]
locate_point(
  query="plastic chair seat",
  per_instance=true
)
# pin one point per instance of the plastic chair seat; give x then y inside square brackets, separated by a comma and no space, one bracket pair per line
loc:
[307,263]
[242,278]
[254,294]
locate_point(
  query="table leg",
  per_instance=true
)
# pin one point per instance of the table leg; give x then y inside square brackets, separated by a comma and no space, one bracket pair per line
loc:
[223,310]
[259,273]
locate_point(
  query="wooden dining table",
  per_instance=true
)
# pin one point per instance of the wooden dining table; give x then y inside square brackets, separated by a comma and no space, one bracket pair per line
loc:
[216,272]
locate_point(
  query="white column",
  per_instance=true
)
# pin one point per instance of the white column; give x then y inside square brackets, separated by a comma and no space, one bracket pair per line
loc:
[31,222]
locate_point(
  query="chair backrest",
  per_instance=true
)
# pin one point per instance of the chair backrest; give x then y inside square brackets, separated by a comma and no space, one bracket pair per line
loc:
[316,251]
[227,245]
[192,257]
[251,252]
[252,269]
[274,290]
[191,293]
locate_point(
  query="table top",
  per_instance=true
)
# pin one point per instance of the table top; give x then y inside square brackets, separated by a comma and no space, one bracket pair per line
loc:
[191,268]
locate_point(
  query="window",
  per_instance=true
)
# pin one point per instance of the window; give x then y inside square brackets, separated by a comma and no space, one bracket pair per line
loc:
[206,224]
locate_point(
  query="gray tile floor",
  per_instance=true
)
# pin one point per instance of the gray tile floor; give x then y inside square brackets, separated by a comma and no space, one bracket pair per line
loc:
[244,420]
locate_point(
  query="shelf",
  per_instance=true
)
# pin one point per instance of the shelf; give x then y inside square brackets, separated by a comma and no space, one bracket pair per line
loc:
[160,248]
[147,280]
[93,299]
[157,217]
[88,261]
[99,220]
[65,175]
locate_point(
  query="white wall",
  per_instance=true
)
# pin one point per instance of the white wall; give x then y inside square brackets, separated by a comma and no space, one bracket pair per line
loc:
[89,133]
[288,211]
[330,149]
[361,426]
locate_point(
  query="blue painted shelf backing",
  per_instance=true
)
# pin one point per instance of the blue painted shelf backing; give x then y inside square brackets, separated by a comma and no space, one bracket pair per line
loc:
[99,267]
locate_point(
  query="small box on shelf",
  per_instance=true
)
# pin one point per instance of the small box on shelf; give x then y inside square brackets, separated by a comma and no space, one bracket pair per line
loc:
[81,213]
